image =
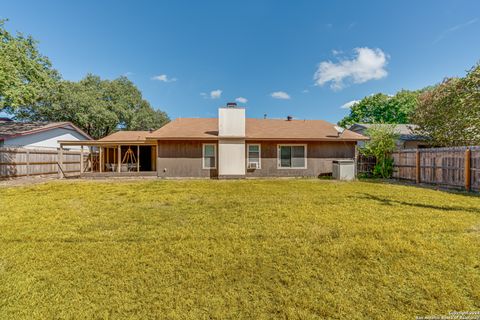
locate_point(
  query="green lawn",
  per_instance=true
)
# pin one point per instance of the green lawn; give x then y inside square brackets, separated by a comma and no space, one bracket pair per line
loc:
[236,249]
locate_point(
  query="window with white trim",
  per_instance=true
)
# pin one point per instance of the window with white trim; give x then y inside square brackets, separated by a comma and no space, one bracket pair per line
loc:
[292,156]
[209,156]
[254,156]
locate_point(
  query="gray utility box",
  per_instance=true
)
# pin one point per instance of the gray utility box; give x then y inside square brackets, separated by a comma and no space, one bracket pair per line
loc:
[343,169]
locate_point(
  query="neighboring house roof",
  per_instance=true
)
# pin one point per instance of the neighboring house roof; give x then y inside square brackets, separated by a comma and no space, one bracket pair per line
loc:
[406,131]
[12,129]
[261,129]
[126,136]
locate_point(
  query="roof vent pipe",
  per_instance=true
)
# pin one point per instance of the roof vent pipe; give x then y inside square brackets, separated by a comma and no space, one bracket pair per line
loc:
[340,130]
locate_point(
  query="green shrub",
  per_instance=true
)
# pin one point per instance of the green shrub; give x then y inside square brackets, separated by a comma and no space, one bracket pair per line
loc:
[381,144]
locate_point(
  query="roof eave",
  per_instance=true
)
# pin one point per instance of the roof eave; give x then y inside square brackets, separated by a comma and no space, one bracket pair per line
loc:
[260,138]
[45,128]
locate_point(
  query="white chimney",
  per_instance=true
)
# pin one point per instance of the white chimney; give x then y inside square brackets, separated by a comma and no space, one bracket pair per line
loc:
[231,121]
[231,142]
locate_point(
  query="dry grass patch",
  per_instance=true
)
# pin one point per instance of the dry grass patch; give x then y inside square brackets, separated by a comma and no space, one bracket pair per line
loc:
[236,249]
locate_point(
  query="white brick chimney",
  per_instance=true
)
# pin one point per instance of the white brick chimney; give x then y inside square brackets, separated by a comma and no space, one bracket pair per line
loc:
[231,142]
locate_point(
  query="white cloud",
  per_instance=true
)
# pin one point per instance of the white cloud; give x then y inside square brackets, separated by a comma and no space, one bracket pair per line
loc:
[337,52]
[368,64]
[282,95]
[305,91]
[349,104]
[241,100]
[164,78]
[454,28]
[215,94]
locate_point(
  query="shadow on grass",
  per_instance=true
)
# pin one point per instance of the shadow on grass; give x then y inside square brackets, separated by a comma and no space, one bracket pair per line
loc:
[390,202]
[407,183]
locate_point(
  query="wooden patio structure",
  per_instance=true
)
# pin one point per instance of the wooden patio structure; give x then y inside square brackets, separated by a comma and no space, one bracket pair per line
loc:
[110,157]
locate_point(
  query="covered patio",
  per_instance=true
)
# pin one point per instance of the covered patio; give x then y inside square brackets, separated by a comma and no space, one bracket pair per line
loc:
[124,153]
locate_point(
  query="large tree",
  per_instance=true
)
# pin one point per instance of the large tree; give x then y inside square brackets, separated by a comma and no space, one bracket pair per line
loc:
[381,108]
[450,112]
[98,106]
[25,74]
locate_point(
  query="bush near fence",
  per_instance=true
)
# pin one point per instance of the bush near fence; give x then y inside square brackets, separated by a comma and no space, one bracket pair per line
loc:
[365,165]
[23,162]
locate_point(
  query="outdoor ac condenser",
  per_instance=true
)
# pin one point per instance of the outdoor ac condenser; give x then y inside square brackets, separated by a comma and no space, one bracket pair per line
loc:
[343,169]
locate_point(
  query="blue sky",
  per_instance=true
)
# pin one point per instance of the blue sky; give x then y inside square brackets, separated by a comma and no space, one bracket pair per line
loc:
[300,58]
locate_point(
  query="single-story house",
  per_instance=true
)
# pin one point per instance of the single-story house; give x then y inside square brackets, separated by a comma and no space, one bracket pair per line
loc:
[38,135]
[228,146]
[407,139]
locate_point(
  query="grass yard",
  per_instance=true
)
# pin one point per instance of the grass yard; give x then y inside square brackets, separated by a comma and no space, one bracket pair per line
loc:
[236,249]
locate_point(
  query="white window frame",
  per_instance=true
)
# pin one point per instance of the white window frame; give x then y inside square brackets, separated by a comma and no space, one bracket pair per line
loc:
[279,166]
[259,154]
[203,155]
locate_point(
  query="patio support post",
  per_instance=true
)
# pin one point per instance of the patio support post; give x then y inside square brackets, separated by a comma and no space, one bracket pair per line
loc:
[119,158]
[100,156]
[138,158]
[81,159]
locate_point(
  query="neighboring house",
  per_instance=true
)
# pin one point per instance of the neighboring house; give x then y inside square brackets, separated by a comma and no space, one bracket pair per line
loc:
[408,139]
[39,135]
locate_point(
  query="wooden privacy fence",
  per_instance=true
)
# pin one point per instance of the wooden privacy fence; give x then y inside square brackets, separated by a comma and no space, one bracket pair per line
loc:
[22,162]
[457,167]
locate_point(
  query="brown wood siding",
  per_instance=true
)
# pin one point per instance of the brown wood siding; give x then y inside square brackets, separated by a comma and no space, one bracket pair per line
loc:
[319,158]
[183,159]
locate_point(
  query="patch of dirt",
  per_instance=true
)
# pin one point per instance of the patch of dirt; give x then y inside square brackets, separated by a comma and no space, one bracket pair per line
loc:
[24,181]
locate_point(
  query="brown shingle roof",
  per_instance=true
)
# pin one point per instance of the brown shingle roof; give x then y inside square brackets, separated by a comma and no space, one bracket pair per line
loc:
[262,129]
[126,136]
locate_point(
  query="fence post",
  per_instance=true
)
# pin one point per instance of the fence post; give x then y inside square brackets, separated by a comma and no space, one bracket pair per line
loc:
[467,169]
[417,167]
[81,160]
[60,162]
[28,162]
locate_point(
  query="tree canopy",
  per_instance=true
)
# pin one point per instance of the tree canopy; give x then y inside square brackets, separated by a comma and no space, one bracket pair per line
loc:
[450,112]
[97,106]
[31,89]
[25,74]
[382,108]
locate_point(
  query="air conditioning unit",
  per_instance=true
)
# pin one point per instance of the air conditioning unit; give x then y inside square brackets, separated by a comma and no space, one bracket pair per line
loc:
[252,165]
